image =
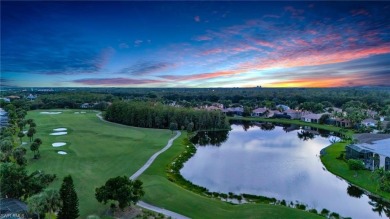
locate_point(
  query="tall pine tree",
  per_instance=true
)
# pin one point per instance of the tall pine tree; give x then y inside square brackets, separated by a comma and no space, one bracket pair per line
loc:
[70,202]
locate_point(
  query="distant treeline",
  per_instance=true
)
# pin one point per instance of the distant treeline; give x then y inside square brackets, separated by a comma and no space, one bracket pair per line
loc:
[157,115]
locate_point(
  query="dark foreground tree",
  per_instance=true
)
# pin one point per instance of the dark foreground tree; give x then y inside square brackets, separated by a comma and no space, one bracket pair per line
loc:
[121,189]
[70,201]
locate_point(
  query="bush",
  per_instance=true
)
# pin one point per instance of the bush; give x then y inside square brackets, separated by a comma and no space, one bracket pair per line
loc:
[354,164]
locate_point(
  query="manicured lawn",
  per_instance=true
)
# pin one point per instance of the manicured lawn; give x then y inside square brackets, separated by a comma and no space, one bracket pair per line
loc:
[361,178]
[96,150]
[163,193]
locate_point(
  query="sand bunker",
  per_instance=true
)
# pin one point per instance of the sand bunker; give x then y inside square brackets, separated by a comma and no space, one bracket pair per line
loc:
[50,113]
[59,129]
[62,152]
[25,132]
[24,143]
[76,112]
[58,144]
[83,112]
[59,133]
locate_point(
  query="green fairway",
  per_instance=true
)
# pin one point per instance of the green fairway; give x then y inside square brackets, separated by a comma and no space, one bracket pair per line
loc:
[163,193]
[96,150]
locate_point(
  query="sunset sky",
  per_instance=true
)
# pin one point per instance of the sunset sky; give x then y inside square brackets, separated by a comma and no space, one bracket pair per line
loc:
[195,44]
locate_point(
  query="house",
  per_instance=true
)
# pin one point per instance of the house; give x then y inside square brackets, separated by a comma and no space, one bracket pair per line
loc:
[311,117]
[85,106]
[212,108]
[259,112]
[7,100]
[3,118]
[236,111]
[373,152]
[31,97]
[369,122]
[272,113]
[342,123]
[283,107]
[371,113]
[294,114]
[13,208]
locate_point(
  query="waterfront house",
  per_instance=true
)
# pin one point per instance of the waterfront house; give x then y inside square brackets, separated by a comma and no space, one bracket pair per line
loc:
[369,122]
[311,117]
[259,112]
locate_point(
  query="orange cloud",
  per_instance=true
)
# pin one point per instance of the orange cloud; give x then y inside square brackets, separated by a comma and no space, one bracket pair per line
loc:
[312,58]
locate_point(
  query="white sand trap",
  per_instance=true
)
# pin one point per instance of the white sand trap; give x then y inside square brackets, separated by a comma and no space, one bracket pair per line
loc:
[62,152]
[59,129]
[25,132]
[50,113]
[83,112]
[76,112]
[24,143]
[59,133]
[58,144]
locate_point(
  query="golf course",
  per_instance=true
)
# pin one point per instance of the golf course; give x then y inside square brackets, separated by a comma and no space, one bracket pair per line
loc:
[96,150]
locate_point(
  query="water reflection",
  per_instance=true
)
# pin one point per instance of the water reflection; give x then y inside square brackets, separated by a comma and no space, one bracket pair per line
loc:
[283,163]
[214,138]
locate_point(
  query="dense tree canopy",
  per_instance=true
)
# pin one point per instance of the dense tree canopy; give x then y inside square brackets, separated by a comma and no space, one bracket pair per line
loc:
[120,189]
[156,115]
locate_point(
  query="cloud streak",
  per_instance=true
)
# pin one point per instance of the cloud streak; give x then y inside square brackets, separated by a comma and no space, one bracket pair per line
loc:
[114,81]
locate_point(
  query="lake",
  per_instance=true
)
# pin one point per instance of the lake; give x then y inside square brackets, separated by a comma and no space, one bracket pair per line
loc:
[276,161]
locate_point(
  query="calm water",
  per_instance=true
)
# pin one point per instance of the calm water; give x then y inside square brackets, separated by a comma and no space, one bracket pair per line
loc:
[279,162]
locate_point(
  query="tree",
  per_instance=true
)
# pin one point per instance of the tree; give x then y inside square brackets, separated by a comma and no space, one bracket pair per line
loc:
[120,189]
[6,148]
[12,178]
[31,132]
[70,201]
[20,136]
[51,201]
[354,164]
[173,126]
[33,125]
[324,118]
[18,154]
[36,204]
[34,147]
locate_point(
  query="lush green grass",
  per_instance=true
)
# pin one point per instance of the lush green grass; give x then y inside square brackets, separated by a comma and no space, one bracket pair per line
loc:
[360,178]
[164,193]
[96,150]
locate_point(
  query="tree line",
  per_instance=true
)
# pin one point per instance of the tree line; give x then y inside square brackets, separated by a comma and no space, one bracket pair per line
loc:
[157,115]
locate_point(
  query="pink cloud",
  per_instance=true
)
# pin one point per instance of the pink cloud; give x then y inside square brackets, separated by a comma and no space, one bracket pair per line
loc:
[202,75]
[360,12]
[197,18]
[203,38]
[114,81]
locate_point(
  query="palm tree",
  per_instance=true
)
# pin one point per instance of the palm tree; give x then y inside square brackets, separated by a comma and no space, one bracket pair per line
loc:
[21,135]
[52,200]
[34,147]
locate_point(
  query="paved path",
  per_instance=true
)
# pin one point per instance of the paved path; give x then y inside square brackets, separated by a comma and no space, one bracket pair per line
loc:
[152,158]
[146,166]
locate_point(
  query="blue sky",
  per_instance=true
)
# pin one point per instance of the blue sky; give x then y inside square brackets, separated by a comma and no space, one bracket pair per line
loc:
[195,44]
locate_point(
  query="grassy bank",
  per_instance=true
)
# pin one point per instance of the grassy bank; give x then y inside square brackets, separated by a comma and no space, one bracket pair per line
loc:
[361,178]
[96,150]
[164,193]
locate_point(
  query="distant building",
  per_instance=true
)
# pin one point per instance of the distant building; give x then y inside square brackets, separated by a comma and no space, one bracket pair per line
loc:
[3,118]
[7,100]
[85,106]
[235,111]
[311,117]
[345,123]
[31,97]
[369,122]
[294,114]
[283,107]
[259,112]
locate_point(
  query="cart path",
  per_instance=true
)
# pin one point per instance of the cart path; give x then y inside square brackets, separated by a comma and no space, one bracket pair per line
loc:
[146,166]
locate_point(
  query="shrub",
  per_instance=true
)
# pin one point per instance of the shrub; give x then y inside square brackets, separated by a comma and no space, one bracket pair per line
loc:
[354,164]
